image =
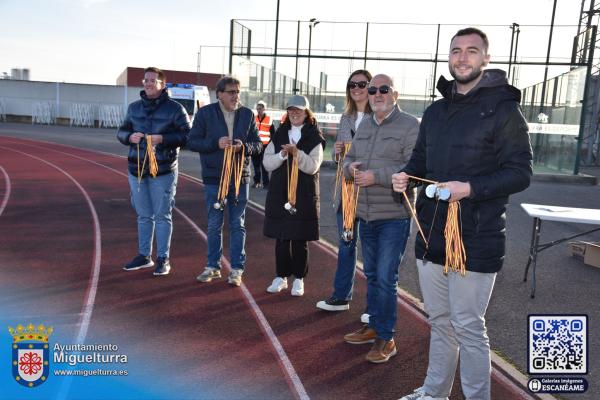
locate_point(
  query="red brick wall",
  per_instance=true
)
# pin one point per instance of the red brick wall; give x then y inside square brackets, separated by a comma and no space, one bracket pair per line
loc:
[132,76]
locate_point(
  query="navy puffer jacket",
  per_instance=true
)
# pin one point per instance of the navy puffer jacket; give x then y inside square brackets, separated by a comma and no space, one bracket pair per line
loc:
[209,126]
[160,116]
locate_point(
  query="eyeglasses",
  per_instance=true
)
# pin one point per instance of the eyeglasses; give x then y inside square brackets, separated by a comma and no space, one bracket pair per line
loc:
[231,92]
[383,89]
[360,84]
[151,81]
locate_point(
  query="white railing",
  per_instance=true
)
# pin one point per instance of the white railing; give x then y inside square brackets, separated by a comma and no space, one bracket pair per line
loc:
[110,115]
[2,110]
[82,114]
[43,113]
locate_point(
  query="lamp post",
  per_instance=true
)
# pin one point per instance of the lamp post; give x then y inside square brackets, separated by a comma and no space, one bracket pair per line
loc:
[536,148]
[515,28]
[274,71]
[312,23]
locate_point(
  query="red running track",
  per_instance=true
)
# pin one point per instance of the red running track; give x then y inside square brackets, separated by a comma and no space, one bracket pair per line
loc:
[68,227]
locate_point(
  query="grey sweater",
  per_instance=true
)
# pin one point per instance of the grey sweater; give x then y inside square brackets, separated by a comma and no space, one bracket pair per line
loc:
[383,149]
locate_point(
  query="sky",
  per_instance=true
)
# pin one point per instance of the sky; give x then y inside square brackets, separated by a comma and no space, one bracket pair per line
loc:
[93,41]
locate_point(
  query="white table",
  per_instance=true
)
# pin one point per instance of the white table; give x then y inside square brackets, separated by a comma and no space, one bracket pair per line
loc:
[541,212]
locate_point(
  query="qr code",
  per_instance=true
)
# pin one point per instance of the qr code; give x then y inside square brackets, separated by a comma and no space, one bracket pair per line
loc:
[557,344]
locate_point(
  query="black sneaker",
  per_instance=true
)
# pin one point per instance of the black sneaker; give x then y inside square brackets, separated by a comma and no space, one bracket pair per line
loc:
[162,266]
[138,262]
[333,304]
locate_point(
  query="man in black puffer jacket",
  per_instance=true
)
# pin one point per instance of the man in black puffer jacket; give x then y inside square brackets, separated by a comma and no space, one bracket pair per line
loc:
[475,142]
[167,125]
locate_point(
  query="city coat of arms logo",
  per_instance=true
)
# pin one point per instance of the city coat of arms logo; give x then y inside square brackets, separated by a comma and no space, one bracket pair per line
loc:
[30,354]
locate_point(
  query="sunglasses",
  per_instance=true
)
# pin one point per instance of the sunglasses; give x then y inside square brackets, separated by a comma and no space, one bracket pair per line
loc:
[354,85]
[383,89]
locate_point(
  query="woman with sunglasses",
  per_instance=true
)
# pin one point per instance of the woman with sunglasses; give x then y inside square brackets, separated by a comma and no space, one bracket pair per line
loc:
[356,109]
[293,225]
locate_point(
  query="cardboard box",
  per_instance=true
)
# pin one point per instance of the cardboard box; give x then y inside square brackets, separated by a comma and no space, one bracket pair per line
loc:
[592,254]
[577,250]
[589,252]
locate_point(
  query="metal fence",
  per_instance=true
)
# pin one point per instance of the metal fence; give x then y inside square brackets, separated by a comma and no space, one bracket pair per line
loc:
[315,60]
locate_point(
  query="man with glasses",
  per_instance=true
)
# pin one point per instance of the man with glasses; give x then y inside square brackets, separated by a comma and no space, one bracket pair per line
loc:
[475,142]
[382,145]
[216,127]
[163,123]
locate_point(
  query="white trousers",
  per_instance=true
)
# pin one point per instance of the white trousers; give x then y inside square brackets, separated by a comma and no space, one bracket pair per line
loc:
[456,306]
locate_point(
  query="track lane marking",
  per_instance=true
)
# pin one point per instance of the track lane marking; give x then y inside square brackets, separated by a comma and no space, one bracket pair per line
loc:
[412,307]
[7,191]
[86,312]
[92,288]
[290,373]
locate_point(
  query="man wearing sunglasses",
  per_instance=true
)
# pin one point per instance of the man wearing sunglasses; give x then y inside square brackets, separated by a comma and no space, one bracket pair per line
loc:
[216,127]
[382,145]
[475,142]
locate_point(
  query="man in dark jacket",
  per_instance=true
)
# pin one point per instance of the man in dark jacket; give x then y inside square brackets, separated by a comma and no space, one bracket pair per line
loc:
[216,127]
[166,124]
[474,142]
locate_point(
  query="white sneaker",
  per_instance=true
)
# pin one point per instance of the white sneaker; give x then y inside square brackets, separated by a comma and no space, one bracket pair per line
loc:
[235,277]
[298,287]
[419,394]
[209,274]
[364,318]
[278,285]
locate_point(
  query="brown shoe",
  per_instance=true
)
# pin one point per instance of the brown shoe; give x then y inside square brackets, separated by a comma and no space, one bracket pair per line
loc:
[363,335]
[381,351]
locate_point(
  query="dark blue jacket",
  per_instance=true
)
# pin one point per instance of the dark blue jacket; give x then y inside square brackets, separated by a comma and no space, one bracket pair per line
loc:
[209,125]
[481,138]
[160,116]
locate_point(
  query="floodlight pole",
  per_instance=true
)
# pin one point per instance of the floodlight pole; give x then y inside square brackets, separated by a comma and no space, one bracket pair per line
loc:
[366,46]
[542,101]
[513,27]
[296,90]
[274,71]
[543,97]
[313,23]
[435,63]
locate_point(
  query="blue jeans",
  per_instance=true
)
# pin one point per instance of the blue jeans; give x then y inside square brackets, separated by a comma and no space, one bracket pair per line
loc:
[153,203]
[383,244]
[346,262]
[237,230]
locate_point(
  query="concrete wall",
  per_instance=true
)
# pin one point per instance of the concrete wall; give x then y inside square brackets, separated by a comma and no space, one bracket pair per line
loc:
[20,96]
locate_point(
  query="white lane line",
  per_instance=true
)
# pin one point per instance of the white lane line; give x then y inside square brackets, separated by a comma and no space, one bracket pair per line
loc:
[291,375]
[90,296]
[6,191]
[497,371]
[329,249]
[285,362]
